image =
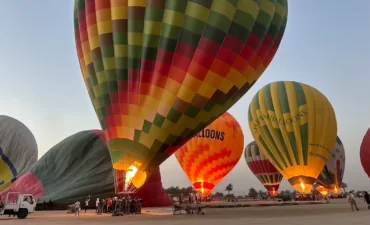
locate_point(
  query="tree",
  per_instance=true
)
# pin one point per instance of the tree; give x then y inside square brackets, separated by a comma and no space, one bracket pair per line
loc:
[219,194]
[176,191]
[344,186]
[229,188]
[253,193]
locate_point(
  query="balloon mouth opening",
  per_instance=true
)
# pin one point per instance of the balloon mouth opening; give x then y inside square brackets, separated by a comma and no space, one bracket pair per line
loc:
[302,184]
[323,191]
[335,190]
[203,188]
[130,173]
[134,176]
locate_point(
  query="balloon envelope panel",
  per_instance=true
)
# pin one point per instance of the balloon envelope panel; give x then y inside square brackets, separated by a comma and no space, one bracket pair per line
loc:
[332,175]
[159,71]
[212,153]
[18,150]
[295,126]
[262,168]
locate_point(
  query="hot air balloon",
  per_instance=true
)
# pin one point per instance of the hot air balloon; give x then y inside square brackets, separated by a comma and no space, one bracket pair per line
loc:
[159,71]
[212,153]
[365,153]
[323,190]
[262,168]
[18,150]
[332,175]
[79,166]
[294,125]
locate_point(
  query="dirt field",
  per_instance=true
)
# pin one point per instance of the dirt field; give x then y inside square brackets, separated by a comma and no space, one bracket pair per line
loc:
[337,212]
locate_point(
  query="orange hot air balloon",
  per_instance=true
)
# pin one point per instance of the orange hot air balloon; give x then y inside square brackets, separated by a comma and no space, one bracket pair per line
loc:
[212,153]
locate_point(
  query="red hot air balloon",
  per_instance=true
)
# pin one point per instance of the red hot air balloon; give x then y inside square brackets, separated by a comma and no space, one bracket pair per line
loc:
[365,153]
[262,168]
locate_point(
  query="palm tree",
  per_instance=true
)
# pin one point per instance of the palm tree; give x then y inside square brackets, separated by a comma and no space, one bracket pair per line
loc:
[344,186]
[229,188]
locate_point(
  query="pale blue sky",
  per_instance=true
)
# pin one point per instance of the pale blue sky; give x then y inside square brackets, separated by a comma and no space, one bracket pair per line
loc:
[326,45]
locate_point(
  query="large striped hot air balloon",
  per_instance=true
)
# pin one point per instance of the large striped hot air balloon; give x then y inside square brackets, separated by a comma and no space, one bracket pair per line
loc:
[212,153]
[262,168]
[159,71]
[295,126]
[332,175]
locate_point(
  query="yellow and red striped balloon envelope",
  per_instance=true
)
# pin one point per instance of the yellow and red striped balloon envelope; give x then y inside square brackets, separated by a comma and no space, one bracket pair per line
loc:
[212,153]
[159,71]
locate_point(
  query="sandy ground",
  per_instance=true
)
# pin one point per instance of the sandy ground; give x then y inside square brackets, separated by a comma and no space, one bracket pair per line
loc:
[337,212]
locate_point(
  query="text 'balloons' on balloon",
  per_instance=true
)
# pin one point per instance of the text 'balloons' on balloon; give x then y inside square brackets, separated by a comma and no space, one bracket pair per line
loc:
[212,153]
[295,126]
[18,150]
[158,72]
[365,153]
[262,168]
[332,175]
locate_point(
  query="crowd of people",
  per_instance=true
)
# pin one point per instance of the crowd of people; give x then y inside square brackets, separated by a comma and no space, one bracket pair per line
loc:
[117,206]
[192,198]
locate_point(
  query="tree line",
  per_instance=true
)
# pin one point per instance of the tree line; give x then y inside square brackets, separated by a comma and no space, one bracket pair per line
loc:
[252,192]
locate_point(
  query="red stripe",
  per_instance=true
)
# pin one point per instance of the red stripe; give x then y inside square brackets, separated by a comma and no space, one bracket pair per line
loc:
[102,4]
[262,166]
[223,154]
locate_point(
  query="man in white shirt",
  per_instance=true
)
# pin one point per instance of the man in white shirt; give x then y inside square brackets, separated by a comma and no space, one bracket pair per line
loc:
[86,204]
[77,208]
[352,201]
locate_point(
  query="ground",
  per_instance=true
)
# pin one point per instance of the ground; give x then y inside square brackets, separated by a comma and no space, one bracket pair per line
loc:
[334,213]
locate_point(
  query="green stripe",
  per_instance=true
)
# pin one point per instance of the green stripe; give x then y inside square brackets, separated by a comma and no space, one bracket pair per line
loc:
[271,139]
[256,101]
[264,145]
[285,149]
[293,144]
[298,89]
[283,97]
[304,138]
[268,98]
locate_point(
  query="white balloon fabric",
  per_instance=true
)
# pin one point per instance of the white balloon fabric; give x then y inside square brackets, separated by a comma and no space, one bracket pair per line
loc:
[18,150]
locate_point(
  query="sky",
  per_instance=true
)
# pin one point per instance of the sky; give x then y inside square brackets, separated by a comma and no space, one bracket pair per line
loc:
[326,45]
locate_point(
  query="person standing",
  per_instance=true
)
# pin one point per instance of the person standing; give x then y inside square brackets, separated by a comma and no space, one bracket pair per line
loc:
[352,201]
[86,204]
[77,208]
[97,205]
[367,199]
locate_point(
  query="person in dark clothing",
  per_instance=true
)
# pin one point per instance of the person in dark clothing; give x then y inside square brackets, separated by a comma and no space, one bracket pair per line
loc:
[367,198]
